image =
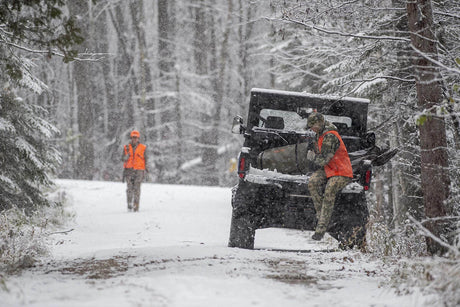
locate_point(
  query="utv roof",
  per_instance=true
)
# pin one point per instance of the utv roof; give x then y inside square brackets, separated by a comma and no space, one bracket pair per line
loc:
[354,108]
[308,95]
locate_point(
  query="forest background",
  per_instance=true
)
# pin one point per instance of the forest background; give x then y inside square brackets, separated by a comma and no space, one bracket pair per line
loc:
[178,71]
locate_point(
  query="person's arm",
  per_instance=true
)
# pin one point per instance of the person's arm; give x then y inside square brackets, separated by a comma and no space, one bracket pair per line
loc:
[330,145]
[146,160]
[125,155]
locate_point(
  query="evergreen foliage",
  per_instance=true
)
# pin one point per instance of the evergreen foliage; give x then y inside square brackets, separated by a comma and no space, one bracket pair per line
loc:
[29,31]
[25,154]
[25,25]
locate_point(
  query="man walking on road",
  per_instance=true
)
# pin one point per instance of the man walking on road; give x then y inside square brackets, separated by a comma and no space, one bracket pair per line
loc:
[335,172]
[134,163]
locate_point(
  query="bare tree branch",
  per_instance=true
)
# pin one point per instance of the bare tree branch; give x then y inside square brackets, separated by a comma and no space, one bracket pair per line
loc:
[363,81]
[446,14]
[428,233]
[60,232]
[52,52]
[335,32]
[436,62]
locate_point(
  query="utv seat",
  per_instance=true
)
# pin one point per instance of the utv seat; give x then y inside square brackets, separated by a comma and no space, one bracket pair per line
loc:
[274,122]
[342,128]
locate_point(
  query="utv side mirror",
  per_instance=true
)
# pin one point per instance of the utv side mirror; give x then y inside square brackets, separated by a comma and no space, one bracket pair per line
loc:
[238,126]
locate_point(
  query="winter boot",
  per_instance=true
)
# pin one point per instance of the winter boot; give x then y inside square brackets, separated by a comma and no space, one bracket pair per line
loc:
[130,207]
[136,207]
[317,236]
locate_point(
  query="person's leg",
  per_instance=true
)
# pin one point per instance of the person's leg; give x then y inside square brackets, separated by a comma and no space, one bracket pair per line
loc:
[333,187]
[139,176]
[129,188]
[316,185]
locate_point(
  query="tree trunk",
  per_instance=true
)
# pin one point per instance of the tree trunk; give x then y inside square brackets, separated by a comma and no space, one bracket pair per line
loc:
[146,85]
[219,59]
[200,41]
[83,83]
[111,166]
[433,143]
[209,136]
[379,198]
[125,62]
[169,141]
[245,32]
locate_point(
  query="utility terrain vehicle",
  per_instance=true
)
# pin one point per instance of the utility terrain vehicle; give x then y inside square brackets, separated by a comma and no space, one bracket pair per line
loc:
[273,170]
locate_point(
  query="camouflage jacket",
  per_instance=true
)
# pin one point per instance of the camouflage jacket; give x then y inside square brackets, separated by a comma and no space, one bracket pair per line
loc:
[330,145]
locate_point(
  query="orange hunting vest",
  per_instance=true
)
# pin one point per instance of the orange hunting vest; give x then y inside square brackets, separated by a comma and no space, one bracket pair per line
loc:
[340,164]
[136,160]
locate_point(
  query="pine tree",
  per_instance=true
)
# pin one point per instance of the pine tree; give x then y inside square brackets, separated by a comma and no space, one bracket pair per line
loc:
[433,138]
[28,28]
[25,154]
[34,27]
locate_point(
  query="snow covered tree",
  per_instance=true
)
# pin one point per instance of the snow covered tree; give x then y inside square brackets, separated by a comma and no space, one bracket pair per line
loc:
[30,31]
[433,139]
[147,79]
[26,156]
[28,25]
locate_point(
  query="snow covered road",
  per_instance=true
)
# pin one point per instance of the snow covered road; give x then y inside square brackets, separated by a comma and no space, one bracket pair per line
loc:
[174,253]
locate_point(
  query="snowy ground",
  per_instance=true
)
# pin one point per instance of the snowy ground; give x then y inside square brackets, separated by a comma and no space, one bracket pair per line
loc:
[173,253]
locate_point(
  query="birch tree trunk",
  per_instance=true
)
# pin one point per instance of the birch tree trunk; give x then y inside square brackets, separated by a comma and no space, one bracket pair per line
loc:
[433,143]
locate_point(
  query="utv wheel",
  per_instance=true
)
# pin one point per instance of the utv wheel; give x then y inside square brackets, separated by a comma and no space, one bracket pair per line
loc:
[242,233]
[242,230]
[349,226]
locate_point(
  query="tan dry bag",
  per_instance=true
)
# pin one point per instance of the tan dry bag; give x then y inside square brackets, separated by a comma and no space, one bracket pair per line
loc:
[290,159]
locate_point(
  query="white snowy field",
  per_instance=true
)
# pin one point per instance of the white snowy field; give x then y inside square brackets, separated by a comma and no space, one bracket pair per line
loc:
[173,252]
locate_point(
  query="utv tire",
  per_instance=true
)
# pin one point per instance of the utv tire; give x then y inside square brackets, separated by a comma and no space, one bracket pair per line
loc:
[242,233]
[349,227]
[242,230]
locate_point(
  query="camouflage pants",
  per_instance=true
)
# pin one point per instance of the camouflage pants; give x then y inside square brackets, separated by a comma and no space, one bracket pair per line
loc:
[324,191]
[133,191]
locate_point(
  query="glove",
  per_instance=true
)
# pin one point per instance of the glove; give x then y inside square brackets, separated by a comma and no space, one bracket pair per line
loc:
[311,155]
